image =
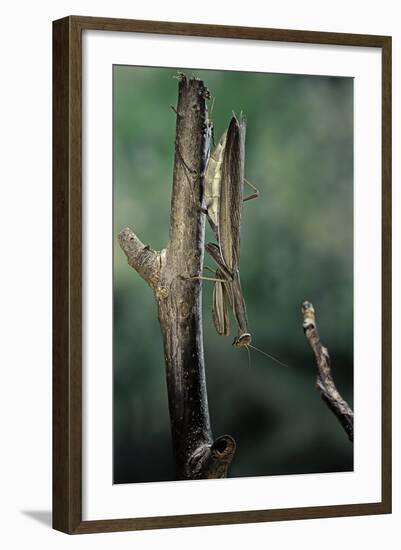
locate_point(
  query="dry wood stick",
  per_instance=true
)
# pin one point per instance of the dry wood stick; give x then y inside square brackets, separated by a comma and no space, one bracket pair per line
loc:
[325,382]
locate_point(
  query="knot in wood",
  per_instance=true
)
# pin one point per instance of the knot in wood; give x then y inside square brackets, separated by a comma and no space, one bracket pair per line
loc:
[308,323]
[162,292]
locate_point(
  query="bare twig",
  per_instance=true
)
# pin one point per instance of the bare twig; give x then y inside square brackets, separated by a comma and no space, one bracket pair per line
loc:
[325,382]
[172,274]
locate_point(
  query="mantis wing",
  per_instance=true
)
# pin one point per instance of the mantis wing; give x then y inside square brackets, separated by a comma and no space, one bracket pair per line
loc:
[231,190]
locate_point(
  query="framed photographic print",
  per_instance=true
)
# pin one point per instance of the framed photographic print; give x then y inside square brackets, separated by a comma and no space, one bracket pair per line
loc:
[222,271]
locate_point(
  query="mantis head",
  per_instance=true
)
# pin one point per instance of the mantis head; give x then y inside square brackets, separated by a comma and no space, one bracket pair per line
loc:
[243,340]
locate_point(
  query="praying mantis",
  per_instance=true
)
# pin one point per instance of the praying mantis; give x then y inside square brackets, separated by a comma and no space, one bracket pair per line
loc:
[224,182]
[224,179]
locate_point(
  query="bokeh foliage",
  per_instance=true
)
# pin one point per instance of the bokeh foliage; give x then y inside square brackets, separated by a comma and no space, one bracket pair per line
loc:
[296,244]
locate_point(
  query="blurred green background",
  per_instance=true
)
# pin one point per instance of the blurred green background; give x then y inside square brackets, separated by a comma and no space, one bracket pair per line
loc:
[296,245]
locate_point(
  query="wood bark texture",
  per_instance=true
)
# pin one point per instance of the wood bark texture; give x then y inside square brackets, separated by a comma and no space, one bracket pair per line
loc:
[325,382]
[170,273]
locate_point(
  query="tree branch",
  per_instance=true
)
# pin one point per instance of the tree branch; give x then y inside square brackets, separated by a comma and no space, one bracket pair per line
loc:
[325,381]
[170,274]
[145,261]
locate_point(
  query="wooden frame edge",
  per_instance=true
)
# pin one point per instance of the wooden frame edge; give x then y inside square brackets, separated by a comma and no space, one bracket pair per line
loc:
[386,273]
[67,275]
[227,31]
[229,518]
[67,402]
